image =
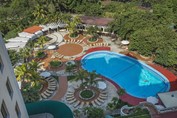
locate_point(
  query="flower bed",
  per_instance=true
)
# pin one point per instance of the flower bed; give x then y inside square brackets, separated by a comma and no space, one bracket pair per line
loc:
[40,54]
[86,94]
[73,35]
[55,63]
[92,40]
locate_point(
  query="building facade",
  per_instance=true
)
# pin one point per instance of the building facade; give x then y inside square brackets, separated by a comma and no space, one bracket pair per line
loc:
[11,101]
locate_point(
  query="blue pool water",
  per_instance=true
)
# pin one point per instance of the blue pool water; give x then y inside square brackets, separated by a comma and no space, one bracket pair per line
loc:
[137,78]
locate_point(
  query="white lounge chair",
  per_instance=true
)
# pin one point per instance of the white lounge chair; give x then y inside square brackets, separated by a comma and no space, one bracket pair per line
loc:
[76,104]
[81,105]
[97,102]
[99,99]
[72,101]
[93,103]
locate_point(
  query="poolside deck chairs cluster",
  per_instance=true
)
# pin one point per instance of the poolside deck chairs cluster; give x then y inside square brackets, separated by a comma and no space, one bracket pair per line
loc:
[80,104]
[74,41]
[71,99]
[52,86]
[100,100]
[98,44]
[57,55]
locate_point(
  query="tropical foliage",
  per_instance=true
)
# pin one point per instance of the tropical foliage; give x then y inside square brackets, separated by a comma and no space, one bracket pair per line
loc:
[40,54]
[115,104]
[150,25]
[72,26]
[14,56]
[94,112]
[41,41]
[30,79]
[93,32]
[55,63]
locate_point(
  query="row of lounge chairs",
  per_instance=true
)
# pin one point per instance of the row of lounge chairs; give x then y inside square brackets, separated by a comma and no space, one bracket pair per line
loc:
[80,104]
[57,55]
[52,86]
[100,100]
[74,41]
[98,44]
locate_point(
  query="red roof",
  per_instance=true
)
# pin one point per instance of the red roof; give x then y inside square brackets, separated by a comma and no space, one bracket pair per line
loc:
[32,29]
[95,20]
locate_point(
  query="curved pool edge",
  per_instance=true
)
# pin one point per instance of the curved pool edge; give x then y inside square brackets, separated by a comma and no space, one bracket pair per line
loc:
[162,77]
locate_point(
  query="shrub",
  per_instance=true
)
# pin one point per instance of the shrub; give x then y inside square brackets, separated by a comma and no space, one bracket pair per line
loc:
[55,63]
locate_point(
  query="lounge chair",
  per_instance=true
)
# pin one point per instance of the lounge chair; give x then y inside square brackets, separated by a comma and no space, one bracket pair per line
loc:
[69,99]
[72,101]
[103,97]
[93,103]
[97,102]
[49,91]
[76,104]
[81,105]
[103,94]
[47,94]
[99,99]
[69,96]
[70,93]
[43,96]
[87,104]
[52,88]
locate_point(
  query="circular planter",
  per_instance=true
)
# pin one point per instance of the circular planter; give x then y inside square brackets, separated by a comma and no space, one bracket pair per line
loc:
[91,40]
[86,94]
[73,35]
[55,64]
[41,55]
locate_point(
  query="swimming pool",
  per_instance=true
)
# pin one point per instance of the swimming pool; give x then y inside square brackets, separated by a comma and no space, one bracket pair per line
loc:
[137,78]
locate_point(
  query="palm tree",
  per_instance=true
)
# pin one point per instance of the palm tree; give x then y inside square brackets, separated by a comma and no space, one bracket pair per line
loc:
[26,53]
[41,41]
[81,75]
[27,72]
[40,12]
[91,79]
[72,25]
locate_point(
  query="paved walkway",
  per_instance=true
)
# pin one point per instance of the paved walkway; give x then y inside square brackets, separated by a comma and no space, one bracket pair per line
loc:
[62,89]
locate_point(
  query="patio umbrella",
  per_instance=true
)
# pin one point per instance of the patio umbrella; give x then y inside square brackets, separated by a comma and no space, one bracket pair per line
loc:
[70,63]
[125,42]
[45,74]
[102,85]
[51,47]
[152,100]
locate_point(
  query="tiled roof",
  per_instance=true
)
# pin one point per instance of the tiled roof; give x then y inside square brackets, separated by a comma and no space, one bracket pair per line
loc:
[95,20]
[32,29]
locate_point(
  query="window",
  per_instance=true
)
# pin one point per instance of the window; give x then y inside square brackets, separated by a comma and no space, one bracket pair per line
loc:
[17,110]
[1,65]
[9,88]
[4,112]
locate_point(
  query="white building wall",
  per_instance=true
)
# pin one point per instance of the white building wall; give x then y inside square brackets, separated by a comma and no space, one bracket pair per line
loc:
[4,94]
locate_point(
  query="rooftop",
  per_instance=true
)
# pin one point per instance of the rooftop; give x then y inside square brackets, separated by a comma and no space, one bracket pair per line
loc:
[32,29]
[95,20]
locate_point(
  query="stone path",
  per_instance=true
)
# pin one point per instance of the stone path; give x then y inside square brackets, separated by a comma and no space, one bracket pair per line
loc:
[62,89]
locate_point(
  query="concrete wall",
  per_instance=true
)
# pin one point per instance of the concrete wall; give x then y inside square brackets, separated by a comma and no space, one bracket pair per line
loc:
[4,94]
